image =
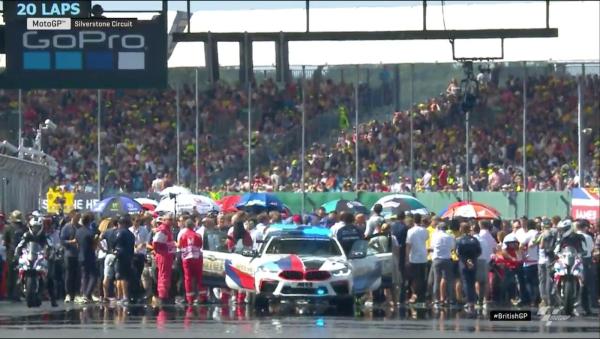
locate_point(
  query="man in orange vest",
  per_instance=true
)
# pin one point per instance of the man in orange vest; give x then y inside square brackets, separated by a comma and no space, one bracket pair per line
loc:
[190,244]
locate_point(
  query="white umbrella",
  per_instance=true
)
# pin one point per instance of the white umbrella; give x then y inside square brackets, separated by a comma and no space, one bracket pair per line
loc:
[174,190]
[394,203]
[186,203]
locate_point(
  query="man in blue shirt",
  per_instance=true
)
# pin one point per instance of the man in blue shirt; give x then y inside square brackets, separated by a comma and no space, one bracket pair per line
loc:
[124,243]
[468,250]
[71,254]
[87,256]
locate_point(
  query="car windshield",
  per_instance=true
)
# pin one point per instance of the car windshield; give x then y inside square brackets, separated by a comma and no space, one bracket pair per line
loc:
[304,247]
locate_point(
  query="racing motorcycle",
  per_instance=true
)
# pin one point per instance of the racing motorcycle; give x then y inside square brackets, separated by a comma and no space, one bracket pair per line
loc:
[568,275]
[33,270]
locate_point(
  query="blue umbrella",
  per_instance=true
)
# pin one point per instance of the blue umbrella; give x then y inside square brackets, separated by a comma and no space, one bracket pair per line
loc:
[260,201]
[115,205]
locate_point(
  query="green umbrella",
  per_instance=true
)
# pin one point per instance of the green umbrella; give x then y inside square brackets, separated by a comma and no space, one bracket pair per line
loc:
[395,203]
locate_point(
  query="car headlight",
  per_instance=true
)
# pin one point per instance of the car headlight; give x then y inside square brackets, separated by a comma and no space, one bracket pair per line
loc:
[342,271]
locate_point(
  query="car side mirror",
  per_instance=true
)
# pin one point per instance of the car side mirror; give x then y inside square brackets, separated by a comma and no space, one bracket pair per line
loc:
[357,255]
[250,253]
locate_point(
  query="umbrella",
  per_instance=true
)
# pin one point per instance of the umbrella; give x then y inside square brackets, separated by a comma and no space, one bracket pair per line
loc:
[396,203]
[186,203]
[174,190]
[259,201]
[470,209]
[147,204]
[117,204]
[341,205]
[228,203]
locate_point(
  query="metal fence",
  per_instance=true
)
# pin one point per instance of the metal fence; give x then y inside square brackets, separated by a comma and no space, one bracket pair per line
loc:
[22,184]
[382,90]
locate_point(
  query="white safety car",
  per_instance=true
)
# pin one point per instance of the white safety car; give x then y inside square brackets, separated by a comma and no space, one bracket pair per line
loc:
[301,263]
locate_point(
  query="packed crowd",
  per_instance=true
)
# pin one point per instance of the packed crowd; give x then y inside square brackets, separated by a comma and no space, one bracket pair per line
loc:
[139,138]
[439,138]
[155,259]
[139,129]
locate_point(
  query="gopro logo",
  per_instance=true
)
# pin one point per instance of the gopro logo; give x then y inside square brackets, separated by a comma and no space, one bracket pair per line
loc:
[89,50]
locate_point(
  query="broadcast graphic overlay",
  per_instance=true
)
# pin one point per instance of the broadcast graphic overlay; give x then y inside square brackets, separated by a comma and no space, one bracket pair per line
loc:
[59,44]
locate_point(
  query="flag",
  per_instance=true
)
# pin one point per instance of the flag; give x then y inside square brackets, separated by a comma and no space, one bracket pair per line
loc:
[214,195]
[585,204]
[344,120]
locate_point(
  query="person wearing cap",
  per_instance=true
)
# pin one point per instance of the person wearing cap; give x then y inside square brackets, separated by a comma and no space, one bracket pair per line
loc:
[297,219]
[190,244]
[12,236]
[545,241]
[513,260]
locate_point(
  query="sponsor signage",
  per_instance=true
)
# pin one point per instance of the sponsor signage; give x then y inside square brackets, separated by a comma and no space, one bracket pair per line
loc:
[585,204]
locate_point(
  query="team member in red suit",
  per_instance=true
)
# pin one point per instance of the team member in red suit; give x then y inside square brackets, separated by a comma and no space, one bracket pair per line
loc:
[190,244]
[164,253]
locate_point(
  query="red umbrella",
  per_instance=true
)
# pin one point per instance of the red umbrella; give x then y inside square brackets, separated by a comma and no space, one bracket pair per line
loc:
[470,209]
[149,207]
[228,203]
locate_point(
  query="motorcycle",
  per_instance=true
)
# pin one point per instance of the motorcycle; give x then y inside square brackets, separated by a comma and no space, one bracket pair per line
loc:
[568,277]
[33,270]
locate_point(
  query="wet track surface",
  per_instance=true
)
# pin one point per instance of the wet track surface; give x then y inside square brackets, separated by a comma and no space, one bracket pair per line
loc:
[16,320]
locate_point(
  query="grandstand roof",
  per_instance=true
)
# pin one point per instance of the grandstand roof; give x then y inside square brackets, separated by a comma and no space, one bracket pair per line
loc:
[578,24]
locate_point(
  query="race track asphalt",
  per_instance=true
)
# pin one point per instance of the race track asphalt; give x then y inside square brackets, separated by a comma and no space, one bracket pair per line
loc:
[68,321]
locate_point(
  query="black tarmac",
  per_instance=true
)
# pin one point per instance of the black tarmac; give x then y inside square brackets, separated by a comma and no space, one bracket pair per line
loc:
[91,321]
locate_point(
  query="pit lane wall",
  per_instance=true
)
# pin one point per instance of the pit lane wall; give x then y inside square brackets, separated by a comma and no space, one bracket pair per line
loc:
[21,183]
[509,204]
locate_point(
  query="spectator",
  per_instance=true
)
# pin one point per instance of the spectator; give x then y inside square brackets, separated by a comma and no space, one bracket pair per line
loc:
[142,240]
[71,253]
[468,249]
[347,233]
[416,251]
[488,246]
[124,242]
[443,274]
[376,220]
[84,238]
[530,261]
